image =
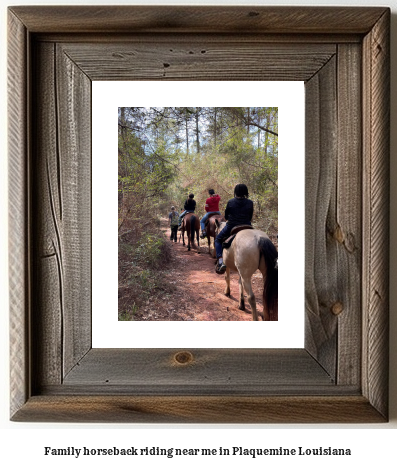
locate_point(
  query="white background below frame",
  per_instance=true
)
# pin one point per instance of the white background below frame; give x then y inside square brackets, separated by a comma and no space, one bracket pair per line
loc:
[107,331]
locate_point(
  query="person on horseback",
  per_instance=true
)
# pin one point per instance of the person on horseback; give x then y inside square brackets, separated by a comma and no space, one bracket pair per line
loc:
[173,217]
[189,207]
[239,210]
[211,206]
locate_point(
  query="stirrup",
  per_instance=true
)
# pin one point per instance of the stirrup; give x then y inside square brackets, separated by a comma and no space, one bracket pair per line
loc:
[220,268]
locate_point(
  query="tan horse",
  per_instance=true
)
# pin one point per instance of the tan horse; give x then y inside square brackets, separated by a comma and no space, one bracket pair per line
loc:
[210,231]
[252,250]
[191,224]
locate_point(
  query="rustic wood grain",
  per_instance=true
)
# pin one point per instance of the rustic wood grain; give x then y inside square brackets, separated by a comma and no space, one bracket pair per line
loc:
[242,38]
[329,381]
[48,244]
[199,19]
[347,225]
[199,409]
[249,369]
[204,60]
[19,224]
[376,91]
[62,208]
[73,89]
[320,261]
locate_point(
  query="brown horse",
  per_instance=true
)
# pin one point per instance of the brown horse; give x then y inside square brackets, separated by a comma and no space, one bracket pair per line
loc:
[252,250]
[210,231]
[191,224]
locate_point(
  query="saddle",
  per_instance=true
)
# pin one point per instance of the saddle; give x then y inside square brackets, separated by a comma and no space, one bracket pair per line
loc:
[228,242]
[209,217]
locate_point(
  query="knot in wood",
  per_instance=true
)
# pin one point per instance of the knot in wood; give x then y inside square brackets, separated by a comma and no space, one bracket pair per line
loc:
[183,358]
[337,308]
[338,235]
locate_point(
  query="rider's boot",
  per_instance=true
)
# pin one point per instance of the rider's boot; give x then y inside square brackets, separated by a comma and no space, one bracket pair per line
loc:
[220,267]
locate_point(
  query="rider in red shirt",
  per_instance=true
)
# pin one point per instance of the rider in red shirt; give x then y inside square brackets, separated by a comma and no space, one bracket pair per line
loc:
[211,206]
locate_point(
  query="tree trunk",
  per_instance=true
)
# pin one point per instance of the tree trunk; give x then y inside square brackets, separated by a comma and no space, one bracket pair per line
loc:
[197,114]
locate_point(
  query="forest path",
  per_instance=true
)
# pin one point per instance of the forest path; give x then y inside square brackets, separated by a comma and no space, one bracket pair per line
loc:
[199,291]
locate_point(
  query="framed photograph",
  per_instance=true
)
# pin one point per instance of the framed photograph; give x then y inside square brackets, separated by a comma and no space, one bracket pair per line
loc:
[181,284]
[340,374]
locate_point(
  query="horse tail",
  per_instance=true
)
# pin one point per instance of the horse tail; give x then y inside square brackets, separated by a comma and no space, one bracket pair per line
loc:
[270,285]
[192,228]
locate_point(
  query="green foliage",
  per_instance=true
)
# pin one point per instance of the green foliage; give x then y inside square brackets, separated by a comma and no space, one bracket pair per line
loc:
[149,249]
[128,315]
[166,153]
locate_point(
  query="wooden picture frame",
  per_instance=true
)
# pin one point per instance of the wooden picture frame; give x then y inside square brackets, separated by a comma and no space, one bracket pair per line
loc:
[342,54]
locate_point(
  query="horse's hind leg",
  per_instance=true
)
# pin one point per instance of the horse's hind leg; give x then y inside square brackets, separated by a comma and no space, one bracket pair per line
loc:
[265,315]
[251,297]
[241,304]
[211,252]
[227,279]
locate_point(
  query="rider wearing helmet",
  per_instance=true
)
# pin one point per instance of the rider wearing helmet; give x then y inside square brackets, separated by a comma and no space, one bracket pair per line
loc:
[239,210]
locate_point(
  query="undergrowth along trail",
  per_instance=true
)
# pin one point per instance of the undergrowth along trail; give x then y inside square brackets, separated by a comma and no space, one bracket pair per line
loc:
[190,290]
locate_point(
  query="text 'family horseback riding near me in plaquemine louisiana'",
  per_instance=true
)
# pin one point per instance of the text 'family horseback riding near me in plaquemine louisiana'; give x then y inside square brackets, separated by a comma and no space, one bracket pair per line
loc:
[236,451]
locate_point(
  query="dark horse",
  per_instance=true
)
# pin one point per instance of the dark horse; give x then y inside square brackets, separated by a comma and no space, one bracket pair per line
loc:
[191,224]
[210,231]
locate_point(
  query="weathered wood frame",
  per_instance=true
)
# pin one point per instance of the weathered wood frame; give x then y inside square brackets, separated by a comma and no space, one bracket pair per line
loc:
[343,56]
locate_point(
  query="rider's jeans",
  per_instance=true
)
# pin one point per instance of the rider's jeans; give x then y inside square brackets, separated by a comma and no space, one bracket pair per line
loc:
[225,232]
[205,217]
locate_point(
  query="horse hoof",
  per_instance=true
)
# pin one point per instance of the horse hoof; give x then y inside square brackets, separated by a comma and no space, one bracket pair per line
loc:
[227,294]
[242,308]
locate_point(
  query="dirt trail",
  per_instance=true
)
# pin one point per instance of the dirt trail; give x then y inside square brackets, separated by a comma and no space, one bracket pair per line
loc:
[198,294]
